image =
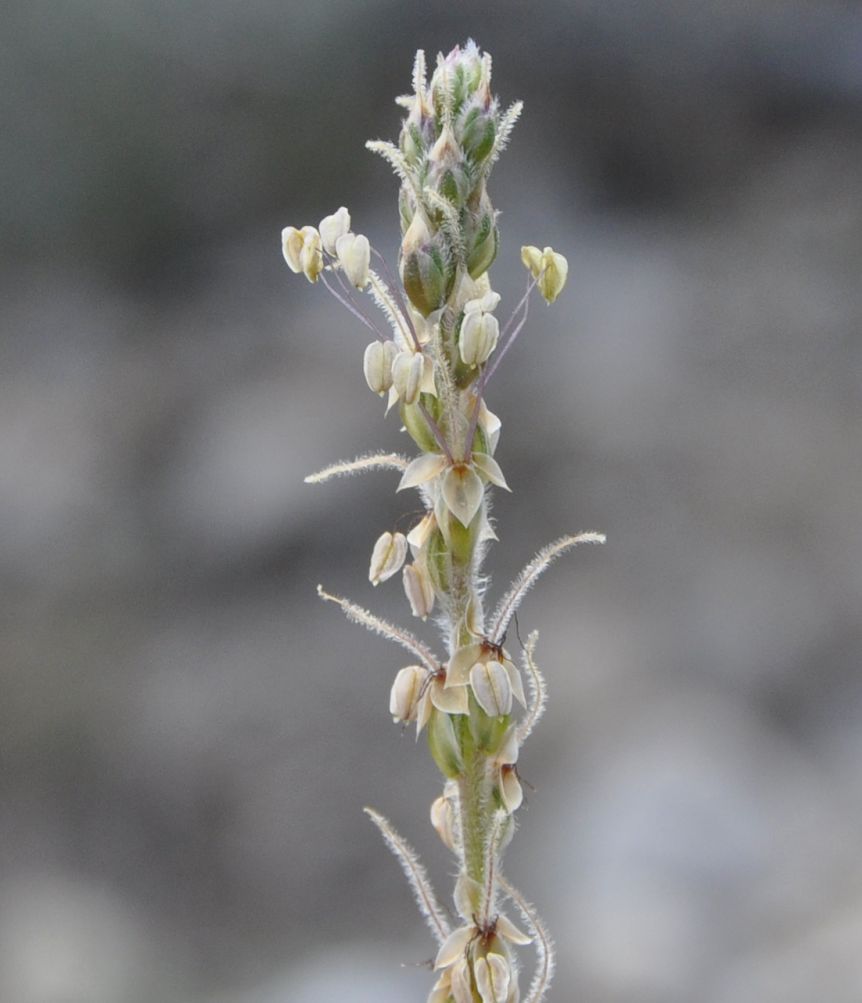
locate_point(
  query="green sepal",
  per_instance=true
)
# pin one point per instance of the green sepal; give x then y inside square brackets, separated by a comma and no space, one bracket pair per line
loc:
[438,562]
[488,732]
[478,134]
[444,745]
[424,278]
[483,247]
[417,428]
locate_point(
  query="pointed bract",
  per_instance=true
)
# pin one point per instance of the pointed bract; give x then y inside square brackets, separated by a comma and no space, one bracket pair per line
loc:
[421,470]
[463,492]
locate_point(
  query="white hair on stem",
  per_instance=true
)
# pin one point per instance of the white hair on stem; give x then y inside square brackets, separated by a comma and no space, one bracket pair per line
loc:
[376,625]
[541,938]
[426,900]
[362,464]
[538,690]
[510,602]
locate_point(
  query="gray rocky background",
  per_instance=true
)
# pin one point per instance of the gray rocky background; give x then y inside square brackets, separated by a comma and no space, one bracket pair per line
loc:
[187,736]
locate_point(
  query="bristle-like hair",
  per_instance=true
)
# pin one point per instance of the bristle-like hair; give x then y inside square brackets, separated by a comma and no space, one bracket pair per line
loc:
[545,960]
[510,602]
[416,876]
[356,614]
[362,464]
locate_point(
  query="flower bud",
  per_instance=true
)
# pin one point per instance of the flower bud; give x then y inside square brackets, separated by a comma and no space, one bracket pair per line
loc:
[492,978]
[443,820]
[483,239]
[407,372]
[479,333]
[549,267]
[332,227]
[460,982]
[310,255]
[388,555]
[477,134]
[418,589]
[491,687]
[354,256]
[291,245]
[405,692]
[377,365]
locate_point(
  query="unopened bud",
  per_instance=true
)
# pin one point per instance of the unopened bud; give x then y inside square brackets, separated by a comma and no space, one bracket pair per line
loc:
[445,152]
[549,267]
[354,256]
[291,246]
[388,555]
[418,589]
[492,978]
[377,365]
[491,687]
[405,693]
[483,240]
[477,134]
[310,255]
[332,227]
[443,820]
[407,372]
[479,334]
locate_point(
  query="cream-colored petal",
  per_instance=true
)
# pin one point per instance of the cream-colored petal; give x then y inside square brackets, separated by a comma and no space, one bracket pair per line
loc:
[418,536]
[460,982]
[511,792]
[458,671]
[507,929]
[453,700]
[488,466]
[291,246]
[332,227]
[454,946]
[443,820]
[423,711]
[427,384]
[490,684]
[515,681]
[490,425]
[463,491]
[507,754]
[424,468]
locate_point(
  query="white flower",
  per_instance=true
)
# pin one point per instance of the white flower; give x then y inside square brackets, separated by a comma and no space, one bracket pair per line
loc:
[377,365]
[405,693]
[332,227]
[354,256]
[407,372]
[478,338]
[491,687]
[549,267]
[291,245]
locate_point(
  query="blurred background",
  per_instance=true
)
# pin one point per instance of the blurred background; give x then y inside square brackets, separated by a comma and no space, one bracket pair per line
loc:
[187,736]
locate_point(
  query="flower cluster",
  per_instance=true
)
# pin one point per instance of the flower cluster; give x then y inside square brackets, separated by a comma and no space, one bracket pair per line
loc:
[433,359]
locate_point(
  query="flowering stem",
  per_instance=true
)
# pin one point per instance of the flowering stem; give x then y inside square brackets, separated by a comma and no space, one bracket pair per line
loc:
[451,137]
